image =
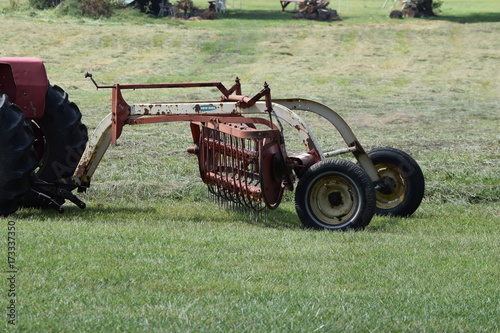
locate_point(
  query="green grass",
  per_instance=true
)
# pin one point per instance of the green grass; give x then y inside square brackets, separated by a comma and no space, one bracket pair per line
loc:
[173,268]
[153,253]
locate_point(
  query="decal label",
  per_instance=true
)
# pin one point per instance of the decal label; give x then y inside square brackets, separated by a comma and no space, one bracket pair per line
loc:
[205,108]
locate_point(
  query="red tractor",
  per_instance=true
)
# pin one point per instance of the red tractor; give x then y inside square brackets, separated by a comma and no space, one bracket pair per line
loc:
[42,137]
[239,142]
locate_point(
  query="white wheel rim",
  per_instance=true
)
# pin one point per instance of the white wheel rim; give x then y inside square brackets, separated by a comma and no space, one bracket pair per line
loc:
[333,199]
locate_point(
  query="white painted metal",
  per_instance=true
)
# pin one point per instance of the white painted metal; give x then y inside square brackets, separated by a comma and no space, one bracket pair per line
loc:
[282,109]
[340,124]
[205,108]
[228,108]
[94,151]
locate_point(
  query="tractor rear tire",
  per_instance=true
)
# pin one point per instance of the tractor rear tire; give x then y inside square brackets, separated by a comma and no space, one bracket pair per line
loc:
[335,194]
[60,139]
[404,182]
[18,158]
[62,134]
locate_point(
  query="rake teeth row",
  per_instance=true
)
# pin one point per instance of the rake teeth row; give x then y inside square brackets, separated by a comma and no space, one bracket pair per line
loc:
[231,162]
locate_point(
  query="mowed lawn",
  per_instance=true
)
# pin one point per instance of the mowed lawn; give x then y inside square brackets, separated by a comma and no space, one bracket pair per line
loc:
[152,251]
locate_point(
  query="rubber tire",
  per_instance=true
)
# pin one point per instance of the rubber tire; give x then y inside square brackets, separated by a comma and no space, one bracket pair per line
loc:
[351,177]
[60,140]
[64,137]
[18,156]
[404,171]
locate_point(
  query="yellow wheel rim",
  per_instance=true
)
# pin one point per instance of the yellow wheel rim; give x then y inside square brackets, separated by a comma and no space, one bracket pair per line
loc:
[333,200]
[397,183]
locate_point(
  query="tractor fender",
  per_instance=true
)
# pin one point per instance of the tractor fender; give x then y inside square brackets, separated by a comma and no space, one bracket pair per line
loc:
[25,82]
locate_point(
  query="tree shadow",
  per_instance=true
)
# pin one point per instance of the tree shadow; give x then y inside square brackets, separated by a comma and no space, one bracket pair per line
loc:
[278,15]
[262,15]
[469,18]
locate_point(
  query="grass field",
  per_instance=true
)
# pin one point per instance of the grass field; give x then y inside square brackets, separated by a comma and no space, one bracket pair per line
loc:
[152,253]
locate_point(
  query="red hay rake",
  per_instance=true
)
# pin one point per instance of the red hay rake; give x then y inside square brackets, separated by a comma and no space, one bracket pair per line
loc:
[240,147]
[242,156]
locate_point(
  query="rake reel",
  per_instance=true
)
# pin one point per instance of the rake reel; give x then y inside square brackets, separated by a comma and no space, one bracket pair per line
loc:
[240,163]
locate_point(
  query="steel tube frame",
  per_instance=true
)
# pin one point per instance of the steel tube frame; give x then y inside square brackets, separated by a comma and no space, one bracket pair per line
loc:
[237,109]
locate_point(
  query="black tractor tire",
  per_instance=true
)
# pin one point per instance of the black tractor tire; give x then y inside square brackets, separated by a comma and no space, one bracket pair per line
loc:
[335,194]
[60,140]
[403,182]
[17,156]
[61,137]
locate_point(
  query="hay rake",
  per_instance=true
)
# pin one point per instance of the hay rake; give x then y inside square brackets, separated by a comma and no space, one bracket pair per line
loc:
[238,140]
[242,156]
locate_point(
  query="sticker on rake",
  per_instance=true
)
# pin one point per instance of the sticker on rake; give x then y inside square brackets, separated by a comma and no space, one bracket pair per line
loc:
[205,108]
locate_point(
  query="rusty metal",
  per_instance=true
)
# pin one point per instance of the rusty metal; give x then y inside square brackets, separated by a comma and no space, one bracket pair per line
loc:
[234,162]
[340,151]
[246,102]
[304,161]
[121,110]
[96,148]
[224,111]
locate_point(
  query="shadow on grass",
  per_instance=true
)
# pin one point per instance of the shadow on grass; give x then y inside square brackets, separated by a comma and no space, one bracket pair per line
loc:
[281,218]
[98,213]
[469,18]
[263,15]
[278,219]
[278,15]
[384,224]
[90,214]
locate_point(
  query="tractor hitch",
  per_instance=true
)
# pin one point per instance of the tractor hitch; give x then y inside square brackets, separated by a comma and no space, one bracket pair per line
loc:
[53,196]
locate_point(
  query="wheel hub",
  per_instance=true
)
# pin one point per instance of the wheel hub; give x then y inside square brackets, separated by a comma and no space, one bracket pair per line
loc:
[394,186]
[388,185]
[333,200]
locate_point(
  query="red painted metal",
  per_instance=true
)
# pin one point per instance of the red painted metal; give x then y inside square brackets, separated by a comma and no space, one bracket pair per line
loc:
[121,110]
[246,102]
[302,162]
[236,88]
[224,118]
[25,81]
[240,163]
